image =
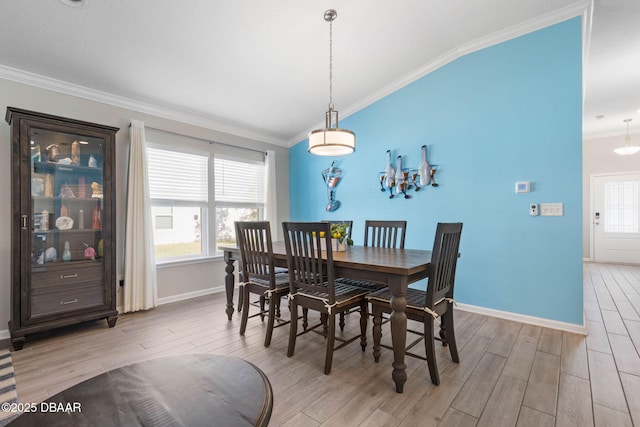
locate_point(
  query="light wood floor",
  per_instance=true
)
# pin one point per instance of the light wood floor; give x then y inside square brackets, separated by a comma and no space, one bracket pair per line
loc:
[510,374]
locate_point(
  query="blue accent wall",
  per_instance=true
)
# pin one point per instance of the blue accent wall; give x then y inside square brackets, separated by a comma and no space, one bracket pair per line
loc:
[511,112]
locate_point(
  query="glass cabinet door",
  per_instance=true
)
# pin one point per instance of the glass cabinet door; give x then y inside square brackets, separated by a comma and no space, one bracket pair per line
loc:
[67,206]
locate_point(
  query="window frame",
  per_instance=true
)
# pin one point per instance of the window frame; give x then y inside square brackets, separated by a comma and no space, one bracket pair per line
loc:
[208,226]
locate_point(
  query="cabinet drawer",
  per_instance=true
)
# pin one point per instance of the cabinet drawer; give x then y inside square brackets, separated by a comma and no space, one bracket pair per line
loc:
[59,278]
[66,300]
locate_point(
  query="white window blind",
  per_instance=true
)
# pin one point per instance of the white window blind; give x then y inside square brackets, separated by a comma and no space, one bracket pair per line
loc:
[238,182]
[177,176]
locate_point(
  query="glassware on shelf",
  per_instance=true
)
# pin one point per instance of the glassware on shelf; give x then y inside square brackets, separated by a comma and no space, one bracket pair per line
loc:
[44,220]
[66,255]
[82,187]
[75,153]
[96,219]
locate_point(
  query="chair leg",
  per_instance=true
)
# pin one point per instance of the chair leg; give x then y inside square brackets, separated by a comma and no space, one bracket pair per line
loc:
[305,318]
[271,318]
[443,333]
[293,328]
[240,292]
[262,301]
[323,320]
[330,343]
[429,347]
[342,323]
[278,314]
[377,331]
[245,309]
[363,324]
[447,319]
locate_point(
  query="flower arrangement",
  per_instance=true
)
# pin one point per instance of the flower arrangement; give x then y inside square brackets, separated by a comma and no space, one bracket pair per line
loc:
[339,231]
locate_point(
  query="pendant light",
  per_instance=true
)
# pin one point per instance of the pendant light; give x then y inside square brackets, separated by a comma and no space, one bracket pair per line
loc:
[628,148]
[331,141]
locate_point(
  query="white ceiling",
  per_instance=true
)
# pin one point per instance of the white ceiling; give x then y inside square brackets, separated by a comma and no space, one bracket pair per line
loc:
[259,68]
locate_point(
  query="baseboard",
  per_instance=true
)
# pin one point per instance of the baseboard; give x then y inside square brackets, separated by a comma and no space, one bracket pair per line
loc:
[189,295]
[531,320]
[182,297]
[522,318]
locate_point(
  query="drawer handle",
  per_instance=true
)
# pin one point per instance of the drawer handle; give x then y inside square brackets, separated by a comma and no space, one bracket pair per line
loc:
[73,301]
[68,276]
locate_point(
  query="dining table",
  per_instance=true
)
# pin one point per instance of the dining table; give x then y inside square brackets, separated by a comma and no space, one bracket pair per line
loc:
[396,268]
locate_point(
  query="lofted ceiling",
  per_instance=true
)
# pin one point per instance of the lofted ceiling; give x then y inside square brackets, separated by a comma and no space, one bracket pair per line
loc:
[259,68]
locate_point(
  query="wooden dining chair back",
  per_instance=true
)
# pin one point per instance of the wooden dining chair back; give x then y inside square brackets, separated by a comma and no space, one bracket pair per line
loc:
[312,286]
[259,274]
[442,269]
[426,306]
[385,234]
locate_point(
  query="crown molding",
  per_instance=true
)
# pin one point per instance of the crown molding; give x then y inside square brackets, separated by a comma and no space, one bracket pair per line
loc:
[581,8]
[32,79]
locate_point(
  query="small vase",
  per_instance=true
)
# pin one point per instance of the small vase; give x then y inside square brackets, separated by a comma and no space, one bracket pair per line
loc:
[337,246]
[66,254]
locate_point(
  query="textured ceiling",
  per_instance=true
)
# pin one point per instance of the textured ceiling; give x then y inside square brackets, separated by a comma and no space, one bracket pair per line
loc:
[260,68]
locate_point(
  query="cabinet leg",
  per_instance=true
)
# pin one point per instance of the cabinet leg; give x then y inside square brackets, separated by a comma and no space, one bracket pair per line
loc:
[111,321]
[18,343]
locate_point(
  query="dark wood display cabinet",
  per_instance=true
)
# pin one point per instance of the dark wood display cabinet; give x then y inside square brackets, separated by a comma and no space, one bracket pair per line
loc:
[63,251]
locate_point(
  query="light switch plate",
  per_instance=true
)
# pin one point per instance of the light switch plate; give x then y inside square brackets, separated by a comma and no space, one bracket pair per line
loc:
[551,209]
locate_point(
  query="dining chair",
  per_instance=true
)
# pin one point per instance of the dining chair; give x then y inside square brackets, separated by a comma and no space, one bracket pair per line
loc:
[381,234]
[426,306]
[259,275]
[385,234]
[312,286]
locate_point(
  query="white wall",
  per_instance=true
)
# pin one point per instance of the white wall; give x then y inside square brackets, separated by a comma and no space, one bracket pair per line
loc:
[173,281]
[598,157]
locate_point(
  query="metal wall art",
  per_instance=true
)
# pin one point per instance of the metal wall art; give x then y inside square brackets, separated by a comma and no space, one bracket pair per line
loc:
[332,176]
[401,180]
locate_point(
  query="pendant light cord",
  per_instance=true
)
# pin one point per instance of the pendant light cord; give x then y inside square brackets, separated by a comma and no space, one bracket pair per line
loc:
[331,65]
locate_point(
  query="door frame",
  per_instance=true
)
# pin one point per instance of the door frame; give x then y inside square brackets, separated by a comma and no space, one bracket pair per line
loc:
[592,232]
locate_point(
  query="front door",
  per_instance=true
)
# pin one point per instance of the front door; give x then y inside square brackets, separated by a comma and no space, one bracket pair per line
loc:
[616,218]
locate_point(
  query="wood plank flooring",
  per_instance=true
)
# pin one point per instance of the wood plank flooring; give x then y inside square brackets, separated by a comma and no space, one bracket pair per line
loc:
[510,374]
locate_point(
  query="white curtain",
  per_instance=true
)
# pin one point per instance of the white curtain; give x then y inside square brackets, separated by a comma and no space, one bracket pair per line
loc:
[271,206]
[140,281]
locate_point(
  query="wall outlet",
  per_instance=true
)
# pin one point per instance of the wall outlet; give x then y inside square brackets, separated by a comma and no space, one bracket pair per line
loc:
[551,209]
[533,209]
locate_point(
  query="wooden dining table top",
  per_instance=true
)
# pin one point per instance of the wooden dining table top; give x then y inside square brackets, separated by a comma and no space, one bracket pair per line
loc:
[405,262]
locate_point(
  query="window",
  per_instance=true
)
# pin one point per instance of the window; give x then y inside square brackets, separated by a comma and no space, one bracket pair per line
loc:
[178,185]
[239,196]
[163,218]
[621,204]
[191,188]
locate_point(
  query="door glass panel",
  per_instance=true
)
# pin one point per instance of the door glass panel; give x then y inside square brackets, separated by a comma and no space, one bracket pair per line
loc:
[621,206]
